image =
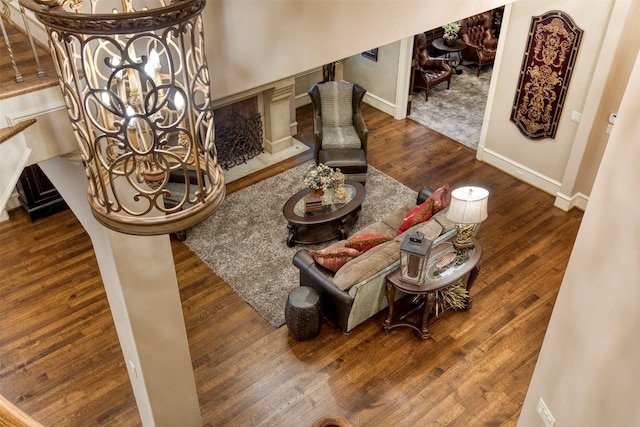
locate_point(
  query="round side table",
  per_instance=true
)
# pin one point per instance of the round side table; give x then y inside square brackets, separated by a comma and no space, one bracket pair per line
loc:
[457,48]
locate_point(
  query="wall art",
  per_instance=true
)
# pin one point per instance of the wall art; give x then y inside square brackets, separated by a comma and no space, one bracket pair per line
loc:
[372,54]
[546,70]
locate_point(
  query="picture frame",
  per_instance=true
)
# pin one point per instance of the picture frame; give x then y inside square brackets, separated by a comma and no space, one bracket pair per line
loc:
[372,54]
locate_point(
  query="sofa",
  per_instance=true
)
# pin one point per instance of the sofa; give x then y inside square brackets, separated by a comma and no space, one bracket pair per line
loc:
[357,290]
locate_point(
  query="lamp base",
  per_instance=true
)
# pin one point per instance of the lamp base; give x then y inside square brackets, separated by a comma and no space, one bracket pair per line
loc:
[464,232]
[463,246]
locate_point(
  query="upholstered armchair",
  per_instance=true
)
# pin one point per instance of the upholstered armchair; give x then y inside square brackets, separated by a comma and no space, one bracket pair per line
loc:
[477,32]
[340,133]
[428,71]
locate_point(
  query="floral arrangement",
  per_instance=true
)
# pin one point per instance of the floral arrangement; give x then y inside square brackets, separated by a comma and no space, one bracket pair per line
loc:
[319,176]
[451,28]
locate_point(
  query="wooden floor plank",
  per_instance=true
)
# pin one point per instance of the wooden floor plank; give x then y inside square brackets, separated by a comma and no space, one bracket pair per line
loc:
[60,360]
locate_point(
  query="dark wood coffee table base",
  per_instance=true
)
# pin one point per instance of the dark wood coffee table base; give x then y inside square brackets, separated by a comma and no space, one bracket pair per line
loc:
[318,233]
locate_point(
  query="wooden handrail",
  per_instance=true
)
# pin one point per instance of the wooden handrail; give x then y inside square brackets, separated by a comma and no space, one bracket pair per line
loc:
[9,132]
[11,416]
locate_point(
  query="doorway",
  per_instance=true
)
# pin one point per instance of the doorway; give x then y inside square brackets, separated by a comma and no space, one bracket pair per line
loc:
[457,111]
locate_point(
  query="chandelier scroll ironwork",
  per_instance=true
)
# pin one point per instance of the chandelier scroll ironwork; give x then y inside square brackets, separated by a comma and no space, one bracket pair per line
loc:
[136,84]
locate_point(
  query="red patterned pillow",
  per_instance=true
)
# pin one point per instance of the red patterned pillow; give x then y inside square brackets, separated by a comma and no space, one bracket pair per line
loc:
[365,242]
[439,200]
[334,258]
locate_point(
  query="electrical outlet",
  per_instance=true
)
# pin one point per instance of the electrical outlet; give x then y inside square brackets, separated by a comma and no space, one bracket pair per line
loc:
[545,414]
[576,116]
[132,366]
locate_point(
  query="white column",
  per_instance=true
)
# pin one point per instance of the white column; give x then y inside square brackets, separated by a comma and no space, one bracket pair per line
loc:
[277,105]
[14,156]
[139,277]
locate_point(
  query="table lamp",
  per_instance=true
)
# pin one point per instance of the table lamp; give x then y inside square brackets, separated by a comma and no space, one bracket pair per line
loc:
[468,208]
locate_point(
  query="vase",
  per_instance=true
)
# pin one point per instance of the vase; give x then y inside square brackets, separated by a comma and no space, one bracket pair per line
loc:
[449,39]
[318,192]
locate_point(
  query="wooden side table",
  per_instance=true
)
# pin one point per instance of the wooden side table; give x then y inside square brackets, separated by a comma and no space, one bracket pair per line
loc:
[464,269]
[457,48]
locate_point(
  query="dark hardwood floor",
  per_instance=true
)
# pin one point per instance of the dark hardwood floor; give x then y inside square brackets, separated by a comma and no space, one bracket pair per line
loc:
[60,360]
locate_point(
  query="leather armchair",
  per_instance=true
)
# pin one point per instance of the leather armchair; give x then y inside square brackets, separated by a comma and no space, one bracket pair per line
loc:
[339,131]
[477,32]
[428,71]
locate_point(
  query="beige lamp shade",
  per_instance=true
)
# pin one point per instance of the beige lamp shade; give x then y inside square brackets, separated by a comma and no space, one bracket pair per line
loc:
[468,205]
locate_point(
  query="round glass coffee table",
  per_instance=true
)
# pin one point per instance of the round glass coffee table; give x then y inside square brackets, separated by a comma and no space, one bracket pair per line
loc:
[332,220]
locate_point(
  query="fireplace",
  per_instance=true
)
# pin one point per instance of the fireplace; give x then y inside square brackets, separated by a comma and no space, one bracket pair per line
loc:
[238,132]
[255,128]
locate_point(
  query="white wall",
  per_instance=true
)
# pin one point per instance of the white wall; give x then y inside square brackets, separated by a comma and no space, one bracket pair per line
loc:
[253,42]
[587,371]
[379,77]
[545,160]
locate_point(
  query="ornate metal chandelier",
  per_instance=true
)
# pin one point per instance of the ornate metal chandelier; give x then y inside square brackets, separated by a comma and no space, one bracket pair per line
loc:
[136,84]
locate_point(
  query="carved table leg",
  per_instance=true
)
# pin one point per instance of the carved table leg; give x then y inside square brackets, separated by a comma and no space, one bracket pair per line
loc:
[472,278]
[347,222]
[293,231]
[343,230]
[473,275]
[391,296]
[428,306]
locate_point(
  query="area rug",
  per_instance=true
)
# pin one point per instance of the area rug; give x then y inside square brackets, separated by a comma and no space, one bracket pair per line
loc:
[456,112]
[244,242]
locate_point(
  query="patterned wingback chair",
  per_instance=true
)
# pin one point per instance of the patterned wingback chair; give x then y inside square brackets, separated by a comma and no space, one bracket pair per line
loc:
[340,134]
[428,71]
[477,33]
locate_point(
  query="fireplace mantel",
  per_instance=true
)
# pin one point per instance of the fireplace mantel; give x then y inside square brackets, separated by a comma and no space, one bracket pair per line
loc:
[276,105]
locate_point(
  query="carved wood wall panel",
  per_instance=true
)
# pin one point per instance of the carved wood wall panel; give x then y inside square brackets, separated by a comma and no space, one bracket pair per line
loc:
[546,70]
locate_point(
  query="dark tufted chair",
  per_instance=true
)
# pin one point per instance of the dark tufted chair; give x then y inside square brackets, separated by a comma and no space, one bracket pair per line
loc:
[340,134]
[428,71]
[476,31]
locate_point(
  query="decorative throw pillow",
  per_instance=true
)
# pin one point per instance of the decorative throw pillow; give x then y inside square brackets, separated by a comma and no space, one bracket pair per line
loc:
[364,242]
[334,258]
[438,200]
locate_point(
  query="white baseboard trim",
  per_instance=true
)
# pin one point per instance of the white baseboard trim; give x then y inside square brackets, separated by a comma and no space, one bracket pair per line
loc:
[12,203]
[566,203]
[519,171]
[379,103]
[302,100]
[544,183]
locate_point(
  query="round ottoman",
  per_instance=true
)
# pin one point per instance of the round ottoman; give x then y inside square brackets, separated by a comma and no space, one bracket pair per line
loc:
[303,313]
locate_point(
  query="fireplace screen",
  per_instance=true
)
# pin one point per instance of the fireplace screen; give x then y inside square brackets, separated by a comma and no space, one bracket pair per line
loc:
[238,137]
